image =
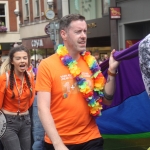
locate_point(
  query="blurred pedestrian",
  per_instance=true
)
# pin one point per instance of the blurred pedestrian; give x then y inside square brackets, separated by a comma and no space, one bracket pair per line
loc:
[37,128]
[96,55]
[105,57]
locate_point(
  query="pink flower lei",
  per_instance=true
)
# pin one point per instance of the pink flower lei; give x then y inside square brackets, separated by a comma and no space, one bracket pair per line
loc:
[93,97]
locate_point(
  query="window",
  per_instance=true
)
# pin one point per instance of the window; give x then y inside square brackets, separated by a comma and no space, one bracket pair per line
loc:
[37,7]
[2,15]
[106,5]
[27,8]
[91,9]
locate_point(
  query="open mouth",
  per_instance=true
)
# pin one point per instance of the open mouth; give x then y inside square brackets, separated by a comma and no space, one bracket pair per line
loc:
[82,43]
[22,66]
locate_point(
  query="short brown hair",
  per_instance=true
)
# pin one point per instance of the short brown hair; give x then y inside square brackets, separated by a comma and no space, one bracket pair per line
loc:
[66,20]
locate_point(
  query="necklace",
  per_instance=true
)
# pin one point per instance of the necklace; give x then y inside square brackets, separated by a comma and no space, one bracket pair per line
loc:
[19,92]
[93,97]
[21,88]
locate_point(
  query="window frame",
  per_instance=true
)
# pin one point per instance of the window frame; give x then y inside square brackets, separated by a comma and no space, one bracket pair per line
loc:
[27,8]
[37,6]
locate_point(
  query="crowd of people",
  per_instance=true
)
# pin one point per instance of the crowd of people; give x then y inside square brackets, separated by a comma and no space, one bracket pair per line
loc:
[99,59]
[63,101]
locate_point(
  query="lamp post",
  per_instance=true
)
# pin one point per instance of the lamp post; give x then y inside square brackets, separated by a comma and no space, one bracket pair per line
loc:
[54,25]
[50,3]
[16,12]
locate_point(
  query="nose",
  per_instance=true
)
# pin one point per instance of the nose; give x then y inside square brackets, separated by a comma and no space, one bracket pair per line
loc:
[83,34]
[22,60]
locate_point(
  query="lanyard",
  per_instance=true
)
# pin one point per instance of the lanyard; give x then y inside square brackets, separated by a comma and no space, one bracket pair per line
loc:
[19,91]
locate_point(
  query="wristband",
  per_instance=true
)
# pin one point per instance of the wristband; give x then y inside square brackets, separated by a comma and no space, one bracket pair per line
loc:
[111,74]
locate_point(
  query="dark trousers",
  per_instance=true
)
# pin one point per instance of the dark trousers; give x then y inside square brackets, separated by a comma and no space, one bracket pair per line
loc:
[1,146]
[96,144]
[18,133]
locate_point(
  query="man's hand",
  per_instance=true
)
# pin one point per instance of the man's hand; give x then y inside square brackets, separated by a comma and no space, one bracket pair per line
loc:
[113,64]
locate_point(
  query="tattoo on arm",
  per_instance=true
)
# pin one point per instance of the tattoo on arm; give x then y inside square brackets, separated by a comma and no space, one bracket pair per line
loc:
[107,96]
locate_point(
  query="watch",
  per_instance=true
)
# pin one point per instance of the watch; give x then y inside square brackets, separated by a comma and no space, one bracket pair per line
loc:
[49,14]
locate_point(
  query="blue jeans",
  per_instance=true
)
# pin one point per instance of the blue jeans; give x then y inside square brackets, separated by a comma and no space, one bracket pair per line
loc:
[18,133]
[37,129]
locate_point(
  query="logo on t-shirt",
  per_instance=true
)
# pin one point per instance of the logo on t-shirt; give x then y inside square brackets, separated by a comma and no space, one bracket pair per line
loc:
[69,85]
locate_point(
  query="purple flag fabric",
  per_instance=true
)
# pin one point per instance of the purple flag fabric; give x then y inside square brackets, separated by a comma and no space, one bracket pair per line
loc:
[129,80]
[129,99]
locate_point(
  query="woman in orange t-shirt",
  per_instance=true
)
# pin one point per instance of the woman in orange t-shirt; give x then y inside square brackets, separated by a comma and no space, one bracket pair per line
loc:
[16,97]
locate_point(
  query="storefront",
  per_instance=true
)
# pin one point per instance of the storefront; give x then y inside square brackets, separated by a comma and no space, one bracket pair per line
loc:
[40,47]
[135,24]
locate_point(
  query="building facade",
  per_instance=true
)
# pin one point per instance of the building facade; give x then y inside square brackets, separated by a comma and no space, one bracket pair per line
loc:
[34,25]
[9,26]
[104,34]
[135,22]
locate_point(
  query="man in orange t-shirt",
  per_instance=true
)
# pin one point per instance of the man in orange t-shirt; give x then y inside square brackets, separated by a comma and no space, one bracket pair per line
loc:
[63,110]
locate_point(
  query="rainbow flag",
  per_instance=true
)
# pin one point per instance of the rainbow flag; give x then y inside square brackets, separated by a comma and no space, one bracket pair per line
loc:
[125,124]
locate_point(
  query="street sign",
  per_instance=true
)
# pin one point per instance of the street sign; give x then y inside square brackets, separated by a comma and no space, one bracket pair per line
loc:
[47,29]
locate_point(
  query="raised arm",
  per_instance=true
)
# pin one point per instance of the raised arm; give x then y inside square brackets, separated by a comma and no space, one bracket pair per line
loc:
[110,85]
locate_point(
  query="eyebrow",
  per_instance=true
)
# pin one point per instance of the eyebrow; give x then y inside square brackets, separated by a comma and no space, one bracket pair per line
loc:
[19,56]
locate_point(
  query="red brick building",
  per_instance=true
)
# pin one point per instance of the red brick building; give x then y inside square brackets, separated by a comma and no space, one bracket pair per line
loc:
[9,26]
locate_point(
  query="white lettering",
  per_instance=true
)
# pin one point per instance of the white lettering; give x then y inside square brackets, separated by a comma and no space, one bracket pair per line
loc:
[37,43]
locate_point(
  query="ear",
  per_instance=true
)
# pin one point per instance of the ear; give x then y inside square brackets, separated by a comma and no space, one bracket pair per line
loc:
[63,34]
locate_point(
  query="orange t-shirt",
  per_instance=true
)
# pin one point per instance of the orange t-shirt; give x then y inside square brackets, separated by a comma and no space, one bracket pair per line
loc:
[9,104]
[68,107]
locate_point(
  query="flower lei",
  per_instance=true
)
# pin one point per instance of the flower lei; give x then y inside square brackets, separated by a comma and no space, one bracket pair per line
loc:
[93,97]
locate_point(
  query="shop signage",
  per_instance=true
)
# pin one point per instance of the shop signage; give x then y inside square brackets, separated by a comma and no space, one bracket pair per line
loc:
[129,43]
[47,29]
[115,12]
[91,25]
[37,43]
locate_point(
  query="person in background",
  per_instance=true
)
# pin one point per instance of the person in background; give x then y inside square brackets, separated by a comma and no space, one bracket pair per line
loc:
[96,55]
[15,45]
[100,61]
[33,63]
[16,99]
[38,62]
[71,97]
[105,57]
[37,128]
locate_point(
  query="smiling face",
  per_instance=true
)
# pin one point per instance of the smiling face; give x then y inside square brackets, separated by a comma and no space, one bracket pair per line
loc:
[75,36]
[20,62]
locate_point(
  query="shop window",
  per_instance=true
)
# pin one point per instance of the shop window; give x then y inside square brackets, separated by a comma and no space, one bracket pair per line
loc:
[37,8]
[91,9]
[106,5]
[2,18]
[2,15]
